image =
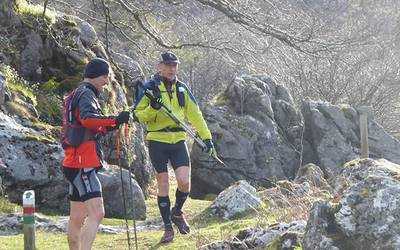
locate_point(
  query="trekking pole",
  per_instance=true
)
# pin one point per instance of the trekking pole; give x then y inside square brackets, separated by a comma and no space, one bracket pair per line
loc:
[122,186]
[185,127]
[130,179]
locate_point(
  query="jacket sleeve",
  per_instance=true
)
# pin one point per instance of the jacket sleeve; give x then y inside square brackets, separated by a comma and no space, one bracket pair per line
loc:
[90,114]
[194,115]
[143,111]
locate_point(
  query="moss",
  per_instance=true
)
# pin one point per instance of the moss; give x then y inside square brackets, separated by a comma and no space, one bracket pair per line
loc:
[50,108]
[7,46]
[20,110]
[24,90]
[210,197]
[365,193]
[219,100]
[351,164]
[43,139]
[43,126]
[8,207]
[69,83]
[30,12]
[50,86]
[18,84]
[70,23]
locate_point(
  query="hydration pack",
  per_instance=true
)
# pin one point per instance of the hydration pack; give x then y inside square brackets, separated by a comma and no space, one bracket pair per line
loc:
[72,132]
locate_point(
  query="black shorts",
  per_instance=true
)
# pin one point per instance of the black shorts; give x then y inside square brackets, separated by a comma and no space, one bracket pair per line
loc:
[83,183]
[160,153]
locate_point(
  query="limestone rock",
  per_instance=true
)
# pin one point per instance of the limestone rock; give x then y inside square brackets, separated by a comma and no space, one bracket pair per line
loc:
[332,131]
[254,126]
[366,216]
[238,198]
[4,92]
[277,236]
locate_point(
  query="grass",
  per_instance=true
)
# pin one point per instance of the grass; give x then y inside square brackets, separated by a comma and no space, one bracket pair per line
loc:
[7,207]
[204,229]
[17,84]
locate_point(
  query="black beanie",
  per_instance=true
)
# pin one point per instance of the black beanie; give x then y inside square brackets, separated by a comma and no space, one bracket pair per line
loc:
[97,67]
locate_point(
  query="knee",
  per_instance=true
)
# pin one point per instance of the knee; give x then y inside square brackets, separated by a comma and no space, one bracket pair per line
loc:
[76,221]
[184,185]
[97,214]
[163,183]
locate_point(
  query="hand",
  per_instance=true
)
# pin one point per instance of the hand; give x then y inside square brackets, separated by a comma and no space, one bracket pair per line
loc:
[155,98]
[155,103]
[123,117]
[210,149]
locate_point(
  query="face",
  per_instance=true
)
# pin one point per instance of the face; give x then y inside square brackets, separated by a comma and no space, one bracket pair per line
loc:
[101,81]
[168,71]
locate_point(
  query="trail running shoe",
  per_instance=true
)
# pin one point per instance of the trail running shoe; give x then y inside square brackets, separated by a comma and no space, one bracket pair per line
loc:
[168,235]
[180,222]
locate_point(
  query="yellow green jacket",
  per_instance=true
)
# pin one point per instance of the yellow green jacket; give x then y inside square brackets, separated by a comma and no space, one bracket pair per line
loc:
[156,119]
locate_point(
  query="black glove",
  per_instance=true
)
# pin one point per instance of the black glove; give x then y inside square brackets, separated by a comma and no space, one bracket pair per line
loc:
[210,149]
[155,98]
[155,103]
[123,117]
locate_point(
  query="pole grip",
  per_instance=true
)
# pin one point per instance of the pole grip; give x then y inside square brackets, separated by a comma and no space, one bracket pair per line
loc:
[126,134]
[117,142]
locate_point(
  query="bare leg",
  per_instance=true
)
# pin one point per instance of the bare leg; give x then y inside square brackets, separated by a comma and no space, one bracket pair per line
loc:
[77,217]
[182,175]
[95,210]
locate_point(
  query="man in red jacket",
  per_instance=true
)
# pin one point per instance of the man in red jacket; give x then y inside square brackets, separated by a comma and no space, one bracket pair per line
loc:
[83,124]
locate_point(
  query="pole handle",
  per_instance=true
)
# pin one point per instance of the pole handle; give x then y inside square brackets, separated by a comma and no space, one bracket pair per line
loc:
[117,145]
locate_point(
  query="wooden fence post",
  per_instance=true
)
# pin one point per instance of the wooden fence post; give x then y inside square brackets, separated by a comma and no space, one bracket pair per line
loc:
[28,203]
[364,110]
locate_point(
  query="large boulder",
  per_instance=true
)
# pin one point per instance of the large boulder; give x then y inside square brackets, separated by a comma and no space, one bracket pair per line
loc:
[256,130]
[30,160]
[31,56]
[113,194]
[313,175]
[366,215]
[332,131]
[129,67]
[237,199]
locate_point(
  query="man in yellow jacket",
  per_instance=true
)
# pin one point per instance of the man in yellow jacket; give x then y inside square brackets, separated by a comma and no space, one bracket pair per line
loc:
[167,140]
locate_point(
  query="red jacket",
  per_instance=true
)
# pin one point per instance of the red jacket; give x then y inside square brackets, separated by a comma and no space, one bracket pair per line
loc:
[90,125]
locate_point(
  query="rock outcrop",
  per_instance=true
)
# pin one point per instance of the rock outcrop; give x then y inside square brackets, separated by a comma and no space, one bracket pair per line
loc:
[29,160]
[278,236]
[262,137]
[332,137]
[57,55]
[366,214]
[256,130]
[237,199]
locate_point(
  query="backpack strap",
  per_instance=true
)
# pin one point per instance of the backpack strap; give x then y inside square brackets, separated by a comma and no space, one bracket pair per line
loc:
[72,102]
[180,95]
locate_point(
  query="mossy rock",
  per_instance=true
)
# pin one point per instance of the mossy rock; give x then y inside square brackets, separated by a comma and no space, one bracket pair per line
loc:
[50,108]
[21,111]
[43,139]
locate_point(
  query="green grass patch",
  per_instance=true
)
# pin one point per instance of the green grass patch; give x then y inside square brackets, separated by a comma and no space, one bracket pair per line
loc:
[204,229]
[18,84]
[24,90]
[8,207]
